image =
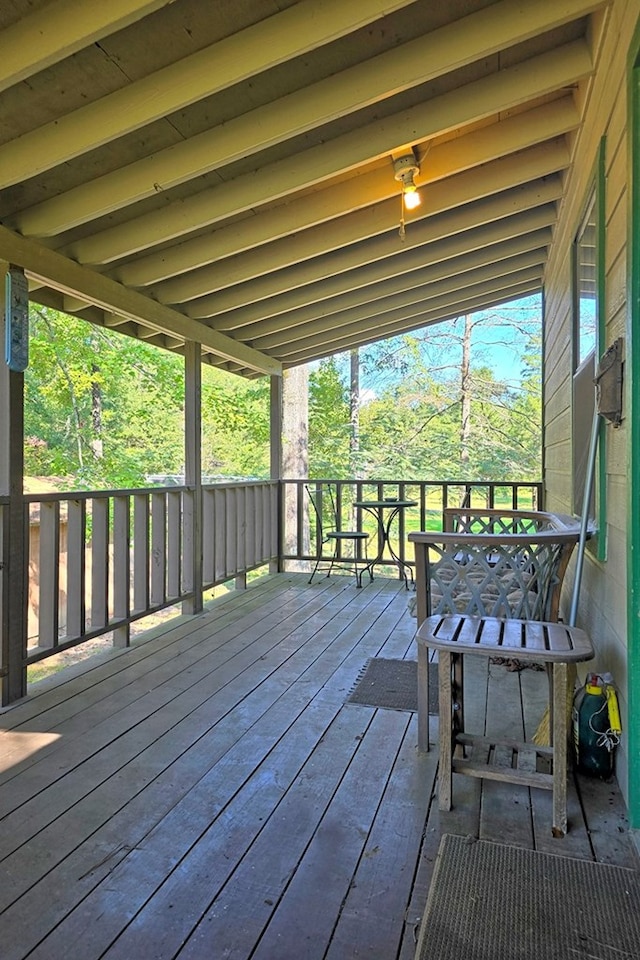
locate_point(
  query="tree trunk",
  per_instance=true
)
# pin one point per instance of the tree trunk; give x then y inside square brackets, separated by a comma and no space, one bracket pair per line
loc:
[465,395]
[354,416]
[295,458]
[96,413]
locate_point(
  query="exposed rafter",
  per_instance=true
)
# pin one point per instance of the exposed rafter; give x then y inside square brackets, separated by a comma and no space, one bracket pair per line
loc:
[309,278]
[223,173]
[61,28]
[356,227]
[468,301]
[396,290]
[445,160]
[508,89]
[526,230]
[278,38]
[381,77]
[400,307]
[74,280]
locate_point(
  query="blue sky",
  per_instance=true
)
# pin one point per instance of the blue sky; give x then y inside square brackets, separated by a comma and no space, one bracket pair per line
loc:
[497,343]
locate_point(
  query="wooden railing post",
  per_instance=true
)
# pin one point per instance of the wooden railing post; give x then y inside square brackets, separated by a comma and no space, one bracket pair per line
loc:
[275,449]
[193,476]
[13,622]
[121,570]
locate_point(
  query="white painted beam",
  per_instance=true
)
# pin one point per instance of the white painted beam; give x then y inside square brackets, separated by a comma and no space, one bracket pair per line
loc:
[470,150]
[77,281]
[483,98]
[74,304]
[369,222]
[389,73]
[402,306]
[531,226]
[491,209]
[259,47]
[59,29]
[398,290]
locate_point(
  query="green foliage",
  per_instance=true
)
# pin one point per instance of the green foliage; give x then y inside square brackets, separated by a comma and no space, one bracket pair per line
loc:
[79,372]
[328,422]
[410,420]
[235,425]
[104,410]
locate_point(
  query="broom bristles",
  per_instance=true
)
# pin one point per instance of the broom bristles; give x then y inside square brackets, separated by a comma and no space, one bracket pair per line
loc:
[542,736]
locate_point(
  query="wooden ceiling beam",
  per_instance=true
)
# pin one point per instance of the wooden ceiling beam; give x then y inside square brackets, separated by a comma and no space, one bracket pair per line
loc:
[314,274]
[482,98]
[60,29]
[263,45]
[74,304]
[77,281]
[356,285]
[369,222]
[417,61]
[398,290]
[470,150]
[467,302]
[402,306]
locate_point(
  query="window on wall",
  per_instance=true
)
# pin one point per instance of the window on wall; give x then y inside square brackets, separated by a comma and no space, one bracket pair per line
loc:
[585,284]
[586,267]
[588,343]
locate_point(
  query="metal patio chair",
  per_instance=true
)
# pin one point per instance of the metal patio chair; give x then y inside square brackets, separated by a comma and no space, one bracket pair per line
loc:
[324,505]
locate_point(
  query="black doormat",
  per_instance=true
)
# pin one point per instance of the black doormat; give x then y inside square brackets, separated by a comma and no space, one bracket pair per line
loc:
[489,901]
[393,684]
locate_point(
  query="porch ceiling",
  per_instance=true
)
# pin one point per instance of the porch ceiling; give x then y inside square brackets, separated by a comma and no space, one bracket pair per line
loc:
[223,172]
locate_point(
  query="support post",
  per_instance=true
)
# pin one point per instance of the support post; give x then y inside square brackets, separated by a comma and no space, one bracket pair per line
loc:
[193,475]
[14,531]
[275,440]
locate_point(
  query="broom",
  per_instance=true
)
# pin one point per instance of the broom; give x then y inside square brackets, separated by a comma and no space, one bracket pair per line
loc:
[542,736]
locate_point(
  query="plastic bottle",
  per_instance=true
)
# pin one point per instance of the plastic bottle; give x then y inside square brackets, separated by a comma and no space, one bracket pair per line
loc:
[594,753]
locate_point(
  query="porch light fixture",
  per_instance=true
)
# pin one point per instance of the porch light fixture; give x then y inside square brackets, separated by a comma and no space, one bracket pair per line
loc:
[405,169]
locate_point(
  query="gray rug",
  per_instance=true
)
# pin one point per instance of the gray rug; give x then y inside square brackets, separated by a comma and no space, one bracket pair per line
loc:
[488,901]
[393,684]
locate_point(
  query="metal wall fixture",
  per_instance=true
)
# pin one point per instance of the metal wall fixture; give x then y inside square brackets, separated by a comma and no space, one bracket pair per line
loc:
[405,169]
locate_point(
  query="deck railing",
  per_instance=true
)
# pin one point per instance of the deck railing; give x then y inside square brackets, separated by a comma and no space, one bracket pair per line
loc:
[302,541]
[100,560]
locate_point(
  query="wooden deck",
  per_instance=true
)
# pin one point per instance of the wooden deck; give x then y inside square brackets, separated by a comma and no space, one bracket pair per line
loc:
[208,794]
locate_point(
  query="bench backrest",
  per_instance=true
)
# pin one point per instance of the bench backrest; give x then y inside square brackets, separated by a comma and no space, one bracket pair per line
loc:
[494,563]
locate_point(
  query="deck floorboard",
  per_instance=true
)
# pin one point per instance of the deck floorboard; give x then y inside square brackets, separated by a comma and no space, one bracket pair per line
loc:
[209,793]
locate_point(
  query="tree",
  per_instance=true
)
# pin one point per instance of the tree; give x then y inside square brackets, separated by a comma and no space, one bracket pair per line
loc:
[441,412]
[235,425]
[295,450]
[103,409]
[354,415]
[329,428]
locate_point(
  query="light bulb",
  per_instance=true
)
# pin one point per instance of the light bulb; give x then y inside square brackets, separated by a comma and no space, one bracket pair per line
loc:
[411,198]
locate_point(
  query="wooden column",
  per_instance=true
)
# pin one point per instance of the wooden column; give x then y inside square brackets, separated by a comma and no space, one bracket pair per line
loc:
[275,442]
[14,529]
[193,475]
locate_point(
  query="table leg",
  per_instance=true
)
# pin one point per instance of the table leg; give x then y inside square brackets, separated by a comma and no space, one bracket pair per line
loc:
[559,739]
[385,542]
[445,715]
[404,569]
[457,697]
[423,697]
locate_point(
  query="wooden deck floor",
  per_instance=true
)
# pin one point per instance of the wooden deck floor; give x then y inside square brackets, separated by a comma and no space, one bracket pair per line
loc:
[208,794]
